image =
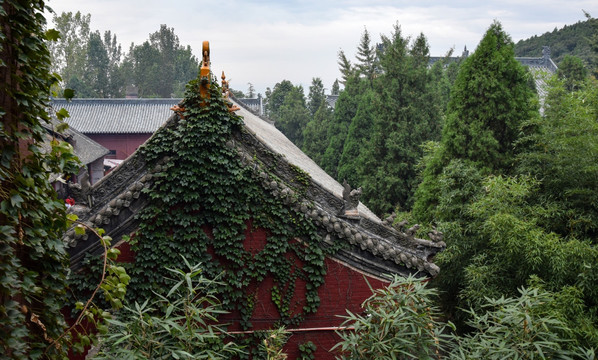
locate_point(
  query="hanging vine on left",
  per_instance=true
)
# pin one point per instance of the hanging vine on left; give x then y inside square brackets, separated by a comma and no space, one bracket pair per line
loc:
[33,260]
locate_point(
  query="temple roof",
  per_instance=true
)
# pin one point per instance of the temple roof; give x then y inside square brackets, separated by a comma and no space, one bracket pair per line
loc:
[374,247]
[116,116]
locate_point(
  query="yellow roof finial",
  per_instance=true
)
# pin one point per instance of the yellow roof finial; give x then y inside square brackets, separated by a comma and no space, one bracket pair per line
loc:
[204,71]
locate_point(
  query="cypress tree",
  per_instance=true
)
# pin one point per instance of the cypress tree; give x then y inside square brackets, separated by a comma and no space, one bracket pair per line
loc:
[489,101]
[406,116]
[358,137]
[491,98]
[315,140]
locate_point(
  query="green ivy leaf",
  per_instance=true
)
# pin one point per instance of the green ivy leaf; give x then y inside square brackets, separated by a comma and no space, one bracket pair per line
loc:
[62,114]
[52,35]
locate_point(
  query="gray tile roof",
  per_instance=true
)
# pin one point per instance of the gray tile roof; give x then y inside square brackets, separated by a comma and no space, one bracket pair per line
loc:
[269,135]
[117,116]
[85,148]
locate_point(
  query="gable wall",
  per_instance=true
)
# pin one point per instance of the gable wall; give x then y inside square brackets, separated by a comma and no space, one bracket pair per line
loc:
[124,144]
[344,289]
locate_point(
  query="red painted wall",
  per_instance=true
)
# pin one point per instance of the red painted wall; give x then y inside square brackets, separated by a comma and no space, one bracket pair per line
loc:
[344,289]
[124,144]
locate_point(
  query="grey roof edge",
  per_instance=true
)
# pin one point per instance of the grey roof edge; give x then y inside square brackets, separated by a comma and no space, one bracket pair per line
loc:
[86,149]
[372,247]
[118,100]
[242,105]
[116,115]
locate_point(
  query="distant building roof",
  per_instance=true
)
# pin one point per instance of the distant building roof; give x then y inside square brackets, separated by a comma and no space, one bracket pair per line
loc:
[117,116]
[544,62]
[85,148]
[331,100]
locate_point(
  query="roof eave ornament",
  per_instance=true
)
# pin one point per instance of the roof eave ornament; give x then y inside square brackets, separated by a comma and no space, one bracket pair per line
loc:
[351,201]
[225,93]
[204,72]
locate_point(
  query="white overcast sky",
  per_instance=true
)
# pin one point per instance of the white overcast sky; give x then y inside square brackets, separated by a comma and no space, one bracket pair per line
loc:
[266,41]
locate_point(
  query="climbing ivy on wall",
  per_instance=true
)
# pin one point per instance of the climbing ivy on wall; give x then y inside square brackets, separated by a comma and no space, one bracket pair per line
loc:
[202,202]
[33,260]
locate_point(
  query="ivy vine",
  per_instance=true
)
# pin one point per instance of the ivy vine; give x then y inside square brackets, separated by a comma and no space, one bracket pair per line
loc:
[33,260]
[204,200]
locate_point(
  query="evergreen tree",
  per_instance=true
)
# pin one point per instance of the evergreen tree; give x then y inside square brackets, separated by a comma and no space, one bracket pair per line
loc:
[366,57]
[275,98]
[316,96]
[406,115]
[346,69]
[490,100]
[344,111]
[315,140]
[293,116]
[358,139]
[250,90]
[286,107]
[335,88]
[572,71]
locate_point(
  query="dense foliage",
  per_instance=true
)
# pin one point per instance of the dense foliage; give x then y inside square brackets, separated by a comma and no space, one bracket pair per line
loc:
[570,40]
[401,322]
[489,101]
[514,194]
[181,324]
[398,322]
[94,65]
[33,260]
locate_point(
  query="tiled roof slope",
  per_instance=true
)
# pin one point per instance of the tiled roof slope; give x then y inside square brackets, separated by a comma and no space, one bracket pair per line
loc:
[85,148]
[116,116]
[280,144]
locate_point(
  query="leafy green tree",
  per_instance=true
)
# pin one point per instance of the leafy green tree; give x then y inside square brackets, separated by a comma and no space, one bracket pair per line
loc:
[70,51]
[561,152]
[402,322]
[88,62]
[498,244]
[144,60]
[96,76]
[162,66]
[572,71]
[398,322]
[521,327]
[574,39]
[592,39]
